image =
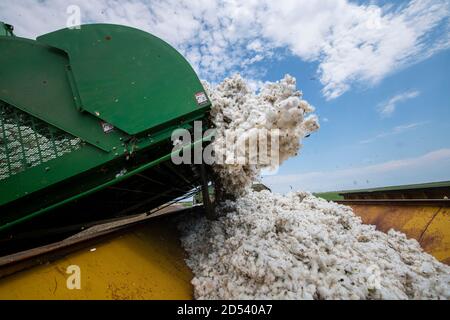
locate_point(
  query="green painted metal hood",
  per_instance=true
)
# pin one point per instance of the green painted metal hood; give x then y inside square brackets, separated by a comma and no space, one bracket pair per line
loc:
[59,96]
[127,77]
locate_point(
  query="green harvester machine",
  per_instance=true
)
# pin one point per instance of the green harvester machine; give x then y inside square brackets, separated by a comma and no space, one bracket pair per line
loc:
[86,117]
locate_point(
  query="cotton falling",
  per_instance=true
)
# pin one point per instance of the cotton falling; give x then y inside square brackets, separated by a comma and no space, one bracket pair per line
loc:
[295,246]
[239,112]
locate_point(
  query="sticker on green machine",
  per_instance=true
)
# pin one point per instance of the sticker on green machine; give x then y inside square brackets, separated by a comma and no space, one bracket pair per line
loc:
[201,98]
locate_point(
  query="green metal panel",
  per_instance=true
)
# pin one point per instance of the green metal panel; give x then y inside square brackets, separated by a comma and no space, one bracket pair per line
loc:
[55,97]
[33,78]
[6,29]
[81,191]
[439,184]
[68,165]
[27,142]
[128,77]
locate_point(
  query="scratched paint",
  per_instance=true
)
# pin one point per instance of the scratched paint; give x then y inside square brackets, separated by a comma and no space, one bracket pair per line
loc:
[146,263]
[428,225]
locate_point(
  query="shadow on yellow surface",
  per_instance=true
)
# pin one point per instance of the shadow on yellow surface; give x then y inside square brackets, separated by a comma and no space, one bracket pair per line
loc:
[146,262]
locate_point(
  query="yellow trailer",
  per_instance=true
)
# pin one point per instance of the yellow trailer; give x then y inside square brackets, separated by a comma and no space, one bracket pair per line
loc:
[142,258]
[427,221]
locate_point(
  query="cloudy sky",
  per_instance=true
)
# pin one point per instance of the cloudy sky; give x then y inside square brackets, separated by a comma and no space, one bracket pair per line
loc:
[376,71]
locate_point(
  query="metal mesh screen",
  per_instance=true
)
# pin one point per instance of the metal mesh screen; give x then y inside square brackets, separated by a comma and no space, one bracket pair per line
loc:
[26,141]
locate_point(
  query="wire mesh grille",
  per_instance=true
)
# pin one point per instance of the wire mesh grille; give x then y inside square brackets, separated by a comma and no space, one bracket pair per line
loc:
[26,141]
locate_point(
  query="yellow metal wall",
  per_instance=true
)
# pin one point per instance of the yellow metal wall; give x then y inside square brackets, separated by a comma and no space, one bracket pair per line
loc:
[146,263]
[428,225]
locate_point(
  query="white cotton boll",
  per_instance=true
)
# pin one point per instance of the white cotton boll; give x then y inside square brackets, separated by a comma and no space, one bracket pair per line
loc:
[296,115]
[289,103]
[237,110]
[270,246]
[427,268]
[291,247]
[271,116]
[311,123]
[306,107]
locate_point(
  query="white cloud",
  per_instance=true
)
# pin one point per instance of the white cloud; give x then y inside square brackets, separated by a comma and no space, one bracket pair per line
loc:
[428,167]
[394,131]
[387,108]
[351,43]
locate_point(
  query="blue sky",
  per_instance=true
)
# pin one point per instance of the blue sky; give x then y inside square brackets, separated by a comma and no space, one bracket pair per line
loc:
[376,71]
[354,135]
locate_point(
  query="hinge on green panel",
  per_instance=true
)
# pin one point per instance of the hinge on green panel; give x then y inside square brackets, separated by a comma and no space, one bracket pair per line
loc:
[73,86]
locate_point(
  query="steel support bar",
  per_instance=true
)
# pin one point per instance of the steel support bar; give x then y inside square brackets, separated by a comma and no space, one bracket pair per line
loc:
[209,209]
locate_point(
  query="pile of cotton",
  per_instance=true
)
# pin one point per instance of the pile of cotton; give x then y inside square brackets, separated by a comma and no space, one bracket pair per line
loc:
[300,247]
[269,246]
[277,114]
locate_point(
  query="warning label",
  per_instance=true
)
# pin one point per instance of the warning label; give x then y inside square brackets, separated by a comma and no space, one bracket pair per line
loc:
[201,98]
[107,128]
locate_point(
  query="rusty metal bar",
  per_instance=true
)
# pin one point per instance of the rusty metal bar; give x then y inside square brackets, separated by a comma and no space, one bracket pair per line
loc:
[400,202]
